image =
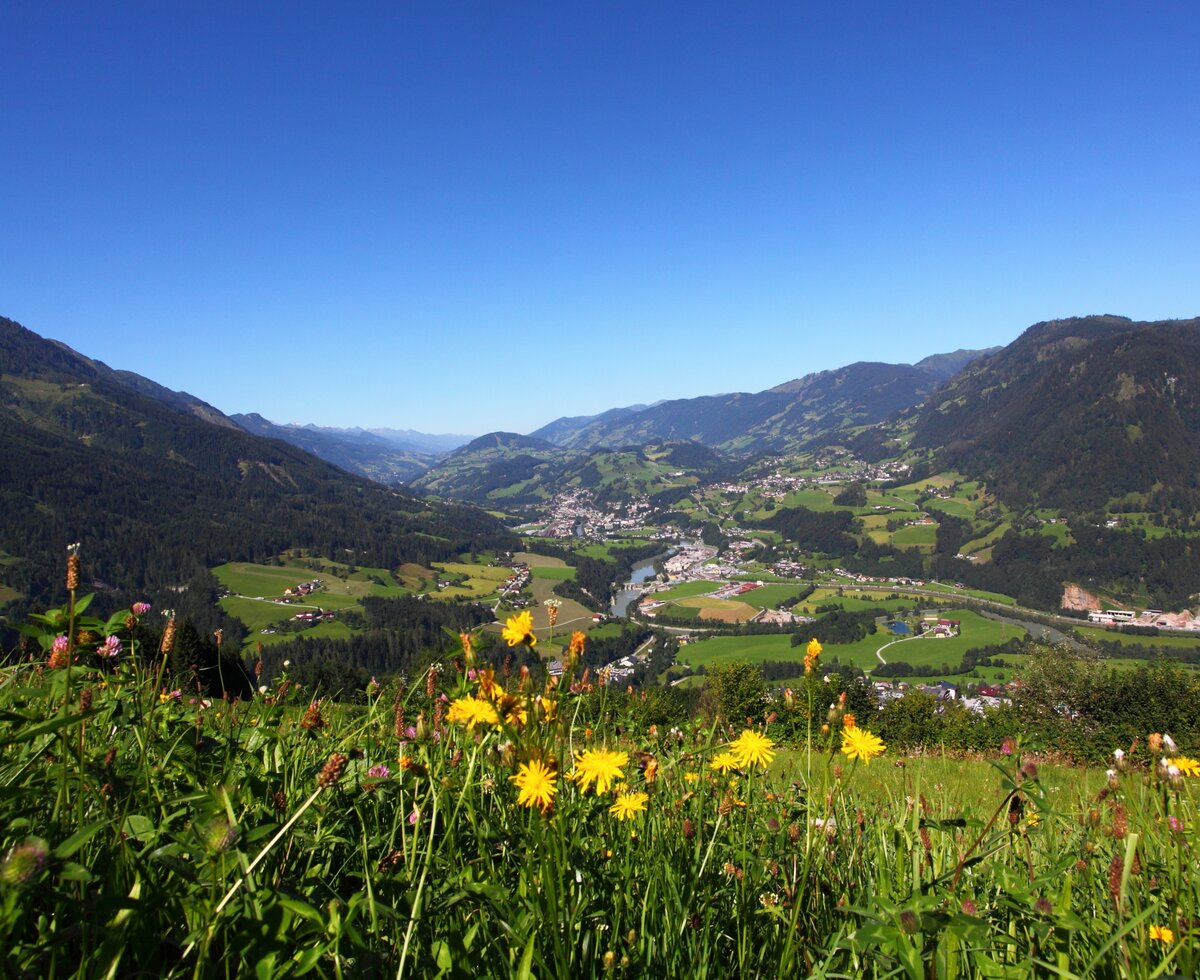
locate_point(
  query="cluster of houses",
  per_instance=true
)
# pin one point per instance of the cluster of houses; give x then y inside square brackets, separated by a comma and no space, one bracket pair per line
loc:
[295,592]
[1150,617]
[986,696]
[516,581]
[314,616]
[574,513]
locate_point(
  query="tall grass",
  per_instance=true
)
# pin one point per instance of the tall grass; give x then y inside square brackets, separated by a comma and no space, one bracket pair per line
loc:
[152,831]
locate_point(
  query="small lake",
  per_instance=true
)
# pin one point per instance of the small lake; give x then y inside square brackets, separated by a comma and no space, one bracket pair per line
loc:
[900,629]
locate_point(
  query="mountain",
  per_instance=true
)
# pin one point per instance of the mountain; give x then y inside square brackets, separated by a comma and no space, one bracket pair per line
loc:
[354,450]
[155,492]
[1076,413]
[416,442]
[504,469]
[564,431]
[775,420]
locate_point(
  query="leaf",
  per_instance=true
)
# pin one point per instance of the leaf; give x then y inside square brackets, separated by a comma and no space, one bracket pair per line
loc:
[139,827]
[73,843]
[302,909]
[525,970]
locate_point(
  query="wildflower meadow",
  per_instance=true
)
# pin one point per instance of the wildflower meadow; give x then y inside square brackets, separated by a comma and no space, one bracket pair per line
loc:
[481,821]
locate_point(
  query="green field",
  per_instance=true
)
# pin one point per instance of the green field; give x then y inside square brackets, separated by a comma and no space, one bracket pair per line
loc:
[855,600]
[254,588]
[772,596]
[920,537]
[560,574]
[976,632]
[1129,639]
[686,589]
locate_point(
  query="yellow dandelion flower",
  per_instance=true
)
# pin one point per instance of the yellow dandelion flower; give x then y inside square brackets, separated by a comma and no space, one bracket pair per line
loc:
[1186,765]
[692,777]
[599,769]
[651,771]
[752,749]
[536,782]
[629,805]
[723,763]
[812,652]
[858,743]
[519,629]
[1162,933]
[470,712]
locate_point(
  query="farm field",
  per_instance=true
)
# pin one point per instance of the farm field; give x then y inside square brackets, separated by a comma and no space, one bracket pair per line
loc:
[855,601]
[721,610]
[976,632]
[686,589]
[254,586]
[1132,640]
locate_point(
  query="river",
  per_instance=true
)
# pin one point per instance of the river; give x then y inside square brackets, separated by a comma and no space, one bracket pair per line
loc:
[640,573]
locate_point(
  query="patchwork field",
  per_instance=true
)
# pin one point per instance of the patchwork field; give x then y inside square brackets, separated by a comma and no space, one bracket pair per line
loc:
[976,632]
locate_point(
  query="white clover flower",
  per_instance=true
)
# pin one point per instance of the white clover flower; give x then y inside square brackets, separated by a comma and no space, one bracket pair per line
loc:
[1118,754]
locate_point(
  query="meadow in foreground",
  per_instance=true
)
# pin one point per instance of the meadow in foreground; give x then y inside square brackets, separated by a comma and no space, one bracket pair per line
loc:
[476,822]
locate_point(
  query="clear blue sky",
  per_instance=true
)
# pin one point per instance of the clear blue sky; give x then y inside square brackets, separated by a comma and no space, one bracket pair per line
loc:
[461,217]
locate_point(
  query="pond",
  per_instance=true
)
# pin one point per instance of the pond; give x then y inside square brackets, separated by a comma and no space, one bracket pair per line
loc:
[900,629]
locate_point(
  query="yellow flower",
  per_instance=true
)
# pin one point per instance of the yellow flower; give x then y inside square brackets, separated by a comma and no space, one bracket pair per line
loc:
[599,769]
[1186,765]
[752,749]
[519,629]
[692,777]
[858,743]
[549,707]
[629,805]
[471,712]
[848,721]
[578,640]
[811,655]
[1162,934]
[536,783]
[724,762]
[651,772]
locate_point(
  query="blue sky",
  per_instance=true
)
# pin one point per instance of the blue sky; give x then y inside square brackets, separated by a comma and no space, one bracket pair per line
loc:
[463,217]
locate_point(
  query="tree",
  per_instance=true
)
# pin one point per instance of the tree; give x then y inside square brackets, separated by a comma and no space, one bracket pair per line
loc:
[738,691]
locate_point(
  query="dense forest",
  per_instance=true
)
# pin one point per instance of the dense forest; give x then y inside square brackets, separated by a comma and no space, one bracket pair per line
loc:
[156,495]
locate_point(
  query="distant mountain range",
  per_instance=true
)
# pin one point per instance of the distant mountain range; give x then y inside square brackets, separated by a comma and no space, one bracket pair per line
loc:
[390,456]
[780,419]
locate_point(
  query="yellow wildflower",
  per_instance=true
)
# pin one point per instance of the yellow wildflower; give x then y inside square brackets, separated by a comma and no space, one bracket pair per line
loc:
[692,777]
[470,712]
[723,763]
[536,783]
[858,743]
[629,805]
[1186,765]
[811,655]
[752,749]
[1162,933]
[519,629]
[848,721]
[599,769]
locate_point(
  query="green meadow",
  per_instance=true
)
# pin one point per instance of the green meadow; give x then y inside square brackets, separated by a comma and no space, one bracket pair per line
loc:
[976,632]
